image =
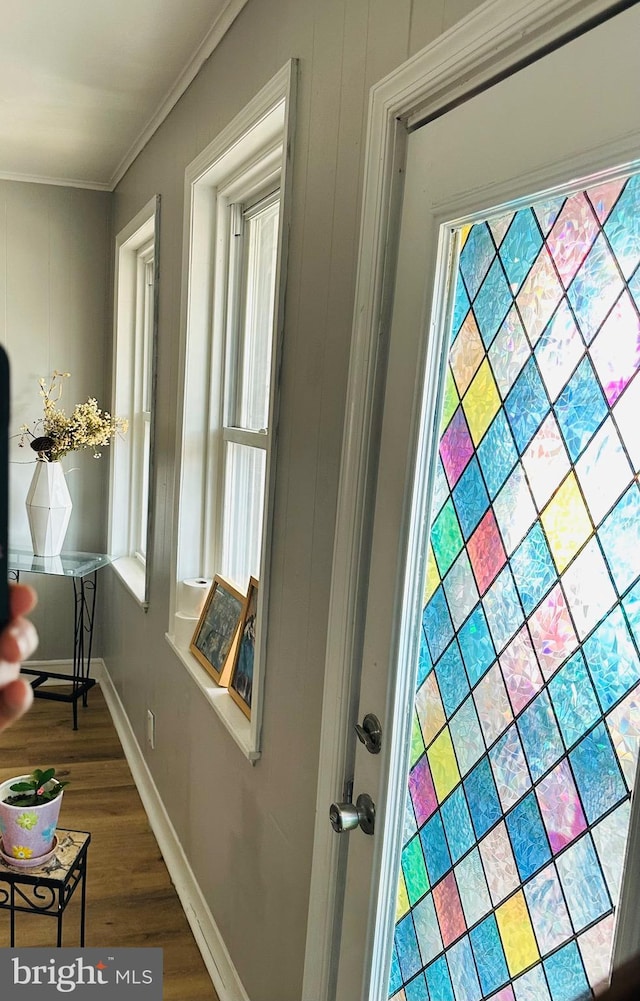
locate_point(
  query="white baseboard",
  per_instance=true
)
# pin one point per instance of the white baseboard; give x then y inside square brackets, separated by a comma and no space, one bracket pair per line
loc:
[205,931]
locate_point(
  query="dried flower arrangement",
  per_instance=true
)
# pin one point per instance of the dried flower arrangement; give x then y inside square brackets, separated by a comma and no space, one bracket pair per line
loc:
[87,426]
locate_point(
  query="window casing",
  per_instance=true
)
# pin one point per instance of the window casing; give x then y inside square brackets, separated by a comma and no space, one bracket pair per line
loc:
[236,218]
[134,348]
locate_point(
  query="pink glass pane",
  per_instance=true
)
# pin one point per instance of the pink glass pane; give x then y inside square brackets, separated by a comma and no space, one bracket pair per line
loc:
[560,807]
[521,671]
[552,632]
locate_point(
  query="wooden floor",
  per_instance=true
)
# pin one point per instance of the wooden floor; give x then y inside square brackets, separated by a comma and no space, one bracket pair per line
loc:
[130,898]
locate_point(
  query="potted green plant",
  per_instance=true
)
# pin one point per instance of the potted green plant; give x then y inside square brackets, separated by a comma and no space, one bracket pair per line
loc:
[29,810]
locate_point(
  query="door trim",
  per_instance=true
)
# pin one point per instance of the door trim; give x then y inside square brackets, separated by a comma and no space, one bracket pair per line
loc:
[494,40]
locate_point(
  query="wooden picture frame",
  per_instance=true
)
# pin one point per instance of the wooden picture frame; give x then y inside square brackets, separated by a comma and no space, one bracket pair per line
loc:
[241,681]
[216,635]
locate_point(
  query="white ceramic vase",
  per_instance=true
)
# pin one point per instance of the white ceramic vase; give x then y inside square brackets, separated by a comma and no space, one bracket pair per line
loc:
[48,508]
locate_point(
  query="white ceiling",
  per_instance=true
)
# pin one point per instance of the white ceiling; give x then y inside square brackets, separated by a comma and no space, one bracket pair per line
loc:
[85,83]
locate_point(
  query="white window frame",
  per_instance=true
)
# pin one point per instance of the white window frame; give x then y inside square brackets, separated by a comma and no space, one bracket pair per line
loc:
[135,323]
[251,156]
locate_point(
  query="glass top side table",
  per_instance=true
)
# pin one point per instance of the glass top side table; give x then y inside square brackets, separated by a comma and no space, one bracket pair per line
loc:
[83,569]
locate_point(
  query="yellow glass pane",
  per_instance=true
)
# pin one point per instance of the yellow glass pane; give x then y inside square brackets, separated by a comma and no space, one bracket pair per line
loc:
[417,745]
[466,354]
[482,402]
[464,233]
[444,767]
[516,932]
[433,577]
[451,401]
[430,710]
[566,522]
[402,901]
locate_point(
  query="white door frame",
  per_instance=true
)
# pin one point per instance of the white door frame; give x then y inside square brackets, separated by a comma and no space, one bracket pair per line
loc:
[494,40]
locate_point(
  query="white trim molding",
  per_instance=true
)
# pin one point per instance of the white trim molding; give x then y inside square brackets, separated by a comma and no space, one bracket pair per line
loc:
[215,955]
[493,41]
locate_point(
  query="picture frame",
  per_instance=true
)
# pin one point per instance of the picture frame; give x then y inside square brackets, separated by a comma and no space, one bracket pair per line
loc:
[241,681]
[216,635]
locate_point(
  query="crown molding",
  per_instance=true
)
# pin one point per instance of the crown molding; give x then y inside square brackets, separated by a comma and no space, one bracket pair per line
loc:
[64,182]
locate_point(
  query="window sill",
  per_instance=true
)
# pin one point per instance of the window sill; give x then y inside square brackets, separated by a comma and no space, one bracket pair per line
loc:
[234,721]
[132,574]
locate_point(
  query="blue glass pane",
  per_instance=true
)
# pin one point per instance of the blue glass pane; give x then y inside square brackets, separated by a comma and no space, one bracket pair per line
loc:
[493,301]
[528,838]
[439,981]
[540,737]
[460,309]
[452,680]
[574,699]
[612,659]
[503,610]
[436,852]
[407,947]
[437,624]
[477,647]
[623,227]
[463,971]
[497,454]
[527,405]
[417,990]
[457,824]
[482,798]
[490,961]
[597,773]
[620,538]
[395,977]
[580,409]
[424,660]
[566,976]
[470,498]
[520,247]
[476,257]
[533,569]
[631,605]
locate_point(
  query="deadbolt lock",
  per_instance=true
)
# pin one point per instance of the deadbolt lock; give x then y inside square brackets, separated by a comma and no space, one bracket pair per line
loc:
[370,733]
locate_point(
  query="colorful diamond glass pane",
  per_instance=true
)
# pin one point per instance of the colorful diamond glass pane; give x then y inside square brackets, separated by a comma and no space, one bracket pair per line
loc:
[436,852]
[616,349]
[467,737]
[510,768]
[548,910]
[492,302]
[520,247]
[559,350]
[415,873]
[460,589]
[457,824]
[489,956]
[565,974]
[476,645]
[497,454]
[427,930]
[574,700]
[449,909]
[463,971]
[422,793]
[620,537]
[439,980]
[520,670]
[597,773]
[517,934]
[612,658]
[540,737]
[472,887]
[603,471]
[582,882]
[527,405]
[580,409]
[509,352]
[595,289]
[528,839]
[623,227]
[452,680]
[560,807]
[470,498]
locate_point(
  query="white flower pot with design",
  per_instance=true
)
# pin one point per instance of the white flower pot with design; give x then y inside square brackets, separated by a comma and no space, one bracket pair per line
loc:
[27,831]
[48,508]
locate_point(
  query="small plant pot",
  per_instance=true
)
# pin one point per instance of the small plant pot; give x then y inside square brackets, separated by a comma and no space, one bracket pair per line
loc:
[27,831]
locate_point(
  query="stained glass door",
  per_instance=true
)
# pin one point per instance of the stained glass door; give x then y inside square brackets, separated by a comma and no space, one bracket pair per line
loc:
[508,487]
[527,710]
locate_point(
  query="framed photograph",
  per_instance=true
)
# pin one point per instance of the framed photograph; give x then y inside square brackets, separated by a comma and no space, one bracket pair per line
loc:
[216,634]
[241,683]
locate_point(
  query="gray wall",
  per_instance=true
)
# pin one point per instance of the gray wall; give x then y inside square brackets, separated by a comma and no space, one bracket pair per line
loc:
[54,253]
[247,831]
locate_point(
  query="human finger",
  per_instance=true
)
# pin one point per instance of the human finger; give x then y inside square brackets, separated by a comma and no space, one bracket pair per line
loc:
[18,640]
[15,699]
[22,598]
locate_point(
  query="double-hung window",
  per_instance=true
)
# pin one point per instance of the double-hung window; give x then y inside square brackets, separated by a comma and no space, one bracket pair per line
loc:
[236,220]
[253,249]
